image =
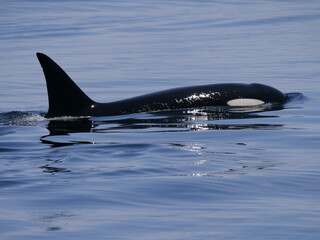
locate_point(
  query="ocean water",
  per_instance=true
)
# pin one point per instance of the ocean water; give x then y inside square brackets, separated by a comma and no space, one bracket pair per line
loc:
[168,175]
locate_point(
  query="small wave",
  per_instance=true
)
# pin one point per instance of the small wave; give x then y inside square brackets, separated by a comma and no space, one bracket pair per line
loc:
[295,97]
[18,118]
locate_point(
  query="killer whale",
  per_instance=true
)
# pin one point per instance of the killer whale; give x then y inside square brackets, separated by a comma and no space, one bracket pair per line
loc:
[67,99]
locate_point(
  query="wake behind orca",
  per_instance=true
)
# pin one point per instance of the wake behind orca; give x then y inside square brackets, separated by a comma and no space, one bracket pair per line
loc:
[67,99]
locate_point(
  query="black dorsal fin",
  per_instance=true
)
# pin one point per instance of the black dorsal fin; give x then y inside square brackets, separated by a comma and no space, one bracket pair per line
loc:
[65,97]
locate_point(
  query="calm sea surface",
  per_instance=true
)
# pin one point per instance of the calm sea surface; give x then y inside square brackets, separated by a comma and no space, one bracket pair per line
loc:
[170,175]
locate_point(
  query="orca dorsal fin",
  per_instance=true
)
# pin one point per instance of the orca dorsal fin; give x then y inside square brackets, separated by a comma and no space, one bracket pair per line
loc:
[65,97]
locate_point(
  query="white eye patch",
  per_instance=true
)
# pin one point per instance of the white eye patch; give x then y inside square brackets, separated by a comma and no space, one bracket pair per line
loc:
[243,102]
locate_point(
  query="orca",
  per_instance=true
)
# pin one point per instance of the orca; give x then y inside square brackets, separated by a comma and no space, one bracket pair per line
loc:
[67,99]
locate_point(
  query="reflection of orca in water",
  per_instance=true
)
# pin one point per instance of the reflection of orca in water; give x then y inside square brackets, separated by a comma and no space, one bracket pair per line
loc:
[163,121]
[67,99]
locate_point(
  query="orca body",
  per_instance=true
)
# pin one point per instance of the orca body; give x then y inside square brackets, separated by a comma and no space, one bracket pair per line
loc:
[67,99]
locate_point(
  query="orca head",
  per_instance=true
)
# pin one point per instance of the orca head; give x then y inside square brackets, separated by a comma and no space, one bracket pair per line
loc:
[257,94]
[268,94]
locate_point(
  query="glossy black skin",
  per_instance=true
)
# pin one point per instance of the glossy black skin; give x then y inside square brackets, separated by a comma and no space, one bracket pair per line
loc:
[67,99]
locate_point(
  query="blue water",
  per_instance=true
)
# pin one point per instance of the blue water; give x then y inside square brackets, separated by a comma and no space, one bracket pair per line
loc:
[169,175]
